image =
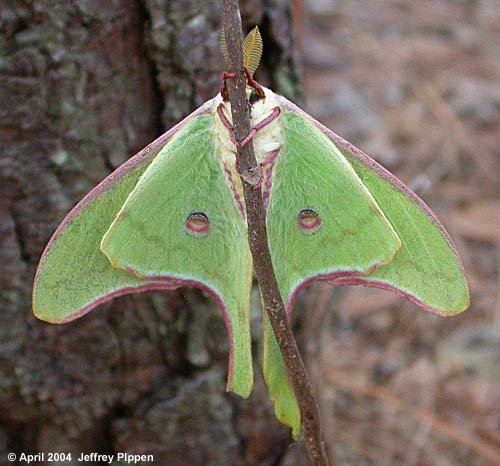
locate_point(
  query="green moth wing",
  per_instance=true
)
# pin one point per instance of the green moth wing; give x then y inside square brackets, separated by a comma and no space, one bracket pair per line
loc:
[322,223]
[181,223]
[286,407]
[171,216]
[320,213]
[426,269]
[73,276]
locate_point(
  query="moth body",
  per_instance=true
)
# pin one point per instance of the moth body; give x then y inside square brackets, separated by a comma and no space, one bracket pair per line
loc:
[267,140]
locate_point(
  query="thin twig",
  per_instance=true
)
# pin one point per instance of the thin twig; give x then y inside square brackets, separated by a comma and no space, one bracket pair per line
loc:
[256,219]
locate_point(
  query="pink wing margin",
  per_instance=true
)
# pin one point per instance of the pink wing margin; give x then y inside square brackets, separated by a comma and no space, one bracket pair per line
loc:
[348,278]
[144,156]
[149,283]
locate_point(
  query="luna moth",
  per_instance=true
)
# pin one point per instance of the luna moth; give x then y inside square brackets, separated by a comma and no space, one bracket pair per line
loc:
[174,215]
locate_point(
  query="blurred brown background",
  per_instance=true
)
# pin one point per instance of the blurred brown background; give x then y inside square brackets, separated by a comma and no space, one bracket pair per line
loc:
[85,84]
[416,85]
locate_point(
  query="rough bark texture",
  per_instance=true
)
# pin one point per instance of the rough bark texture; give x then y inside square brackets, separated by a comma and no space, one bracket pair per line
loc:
[83,86]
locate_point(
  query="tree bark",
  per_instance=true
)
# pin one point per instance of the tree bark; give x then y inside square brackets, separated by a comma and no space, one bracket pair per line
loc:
[83,86]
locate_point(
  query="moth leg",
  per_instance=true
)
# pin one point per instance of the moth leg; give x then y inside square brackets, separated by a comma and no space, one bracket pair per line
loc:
[270,159]
[223,90]
[266,178]
[266,168]
[250,80]
[254,84]
[226,123]
[261,124]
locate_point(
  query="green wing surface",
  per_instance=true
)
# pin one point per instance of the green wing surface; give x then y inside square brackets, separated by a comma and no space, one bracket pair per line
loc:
[280,390]
[311,174]
[73,276]
[151,235]
[353,237]
[426,269]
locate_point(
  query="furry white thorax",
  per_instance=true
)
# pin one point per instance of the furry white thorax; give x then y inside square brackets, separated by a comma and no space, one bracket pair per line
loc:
[265,141]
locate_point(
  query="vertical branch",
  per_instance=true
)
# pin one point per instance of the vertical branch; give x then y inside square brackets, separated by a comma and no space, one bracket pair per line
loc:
[257,235]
